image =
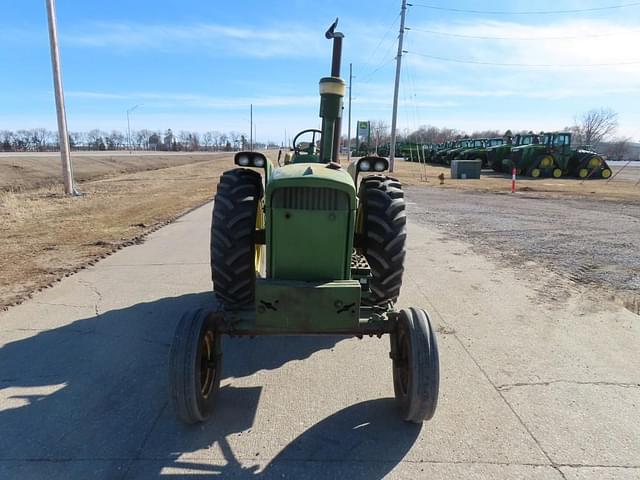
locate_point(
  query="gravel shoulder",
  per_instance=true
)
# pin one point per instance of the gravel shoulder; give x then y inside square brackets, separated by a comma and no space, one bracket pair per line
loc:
[589,242]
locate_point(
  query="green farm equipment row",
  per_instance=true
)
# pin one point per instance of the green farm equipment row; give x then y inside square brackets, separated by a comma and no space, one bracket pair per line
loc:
[532,155]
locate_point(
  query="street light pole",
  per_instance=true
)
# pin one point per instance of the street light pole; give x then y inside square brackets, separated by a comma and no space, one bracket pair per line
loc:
[129,124]
[63,136]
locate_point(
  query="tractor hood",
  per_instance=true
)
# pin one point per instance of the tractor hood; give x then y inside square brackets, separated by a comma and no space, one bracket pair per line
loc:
[310,211]
[311,175]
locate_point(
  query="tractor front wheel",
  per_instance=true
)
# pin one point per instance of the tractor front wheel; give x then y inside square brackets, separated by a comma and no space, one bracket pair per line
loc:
[195,366]
[383,223]
[416,367]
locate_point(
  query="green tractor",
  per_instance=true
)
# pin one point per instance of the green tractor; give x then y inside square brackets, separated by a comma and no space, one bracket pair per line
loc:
[413,152]
[442,152]
[581,163]
[452,153]
[497,153]
[307,248]
[532,158]
[479,150]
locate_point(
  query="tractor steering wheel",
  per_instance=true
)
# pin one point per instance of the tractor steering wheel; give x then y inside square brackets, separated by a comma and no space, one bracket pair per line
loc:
[311,149]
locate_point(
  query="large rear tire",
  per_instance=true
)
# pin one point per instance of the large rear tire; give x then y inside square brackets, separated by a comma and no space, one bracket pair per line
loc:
[383,223]
[237,210]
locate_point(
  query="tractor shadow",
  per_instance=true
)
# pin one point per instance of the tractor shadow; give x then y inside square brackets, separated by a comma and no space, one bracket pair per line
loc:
[363,441]
[91,397]
[96,387]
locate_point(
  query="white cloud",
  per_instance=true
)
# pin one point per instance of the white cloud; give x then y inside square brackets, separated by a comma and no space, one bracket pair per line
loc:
[210,38]
[173,100]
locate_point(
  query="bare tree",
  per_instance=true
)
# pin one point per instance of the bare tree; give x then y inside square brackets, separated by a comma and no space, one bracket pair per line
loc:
[380,133]
[194,141]
[594,126]
[235,139]
[6,140]
[95,139]
[207,140]
[487,134]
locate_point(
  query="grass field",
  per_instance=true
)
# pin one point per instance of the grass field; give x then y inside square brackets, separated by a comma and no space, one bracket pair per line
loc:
[45,235]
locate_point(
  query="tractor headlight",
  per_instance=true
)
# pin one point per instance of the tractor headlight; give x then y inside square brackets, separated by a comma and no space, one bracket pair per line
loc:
[364,165]
[250,159]
[380,166]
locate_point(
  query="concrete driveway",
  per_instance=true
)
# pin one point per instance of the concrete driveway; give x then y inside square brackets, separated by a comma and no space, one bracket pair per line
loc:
[529,390]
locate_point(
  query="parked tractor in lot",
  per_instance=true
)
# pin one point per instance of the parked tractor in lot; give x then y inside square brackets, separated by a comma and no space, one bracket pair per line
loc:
[307,248]
[453,153]
[442,152]
[480,149]
[581,163]
[531,158]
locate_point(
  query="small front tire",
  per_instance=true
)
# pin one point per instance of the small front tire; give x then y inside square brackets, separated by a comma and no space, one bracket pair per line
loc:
[416,366]
[195,366]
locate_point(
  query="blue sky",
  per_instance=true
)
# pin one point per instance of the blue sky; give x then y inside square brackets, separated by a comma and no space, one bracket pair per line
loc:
[197,65]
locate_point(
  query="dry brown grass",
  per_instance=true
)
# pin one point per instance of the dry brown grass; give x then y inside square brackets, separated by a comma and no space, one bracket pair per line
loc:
[45,235]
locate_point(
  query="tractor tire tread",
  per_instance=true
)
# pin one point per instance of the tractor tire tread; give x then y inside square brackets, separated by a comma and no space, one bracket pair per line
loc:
[384,223]
[232,236]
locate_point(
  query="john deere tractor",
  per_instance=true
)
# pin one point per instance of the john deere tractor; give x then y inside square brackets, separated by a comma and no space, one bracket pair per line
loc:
[458,147]
[532,158]
[581,163]
[307,248]
[479,150]
[497,153]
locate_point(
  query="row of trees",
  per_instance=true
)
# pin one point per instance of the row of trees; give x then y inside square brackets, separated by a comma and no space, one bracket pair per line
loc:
[42,140]
[596,128]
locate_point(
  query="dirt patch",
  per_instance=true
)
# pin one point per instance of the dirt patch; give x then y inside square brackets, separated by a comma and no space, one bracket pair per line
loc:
[45,235]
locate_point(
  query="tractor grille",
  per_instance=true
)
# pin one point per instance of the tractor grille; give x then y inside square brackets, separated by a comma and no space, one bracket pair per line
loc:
[310,198]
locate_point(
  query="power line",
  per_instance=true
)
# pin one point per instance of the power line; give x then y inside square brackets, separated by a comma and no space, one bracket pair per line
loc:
[534,65]
[486,37]
[369,75]
[525,12]
[393,23]
[386,60]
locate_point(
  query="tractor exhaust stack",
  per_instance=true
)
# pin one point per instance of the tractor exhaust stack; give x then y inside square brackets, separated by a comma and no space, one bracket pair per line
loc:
[332,91]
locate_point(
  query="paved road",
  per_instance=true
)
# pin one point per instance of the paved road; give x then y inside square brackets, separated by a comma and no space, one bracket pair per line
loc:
[528,391]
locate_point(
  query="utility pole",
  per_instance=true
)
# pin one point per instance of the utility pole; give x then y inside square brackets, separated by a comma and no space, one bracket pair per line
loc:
[63,136]
[251,128]
[394,117]
[129,125]
[349,127]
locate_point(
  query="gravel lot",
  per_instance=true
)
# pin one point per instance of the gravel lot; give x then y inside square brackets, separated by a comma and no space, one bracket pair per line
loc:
[591,242]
